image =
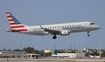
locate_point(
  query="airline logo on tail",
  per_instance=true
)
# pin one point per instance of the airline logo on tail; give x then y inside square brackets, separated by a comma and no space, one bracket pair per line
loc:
[15,25]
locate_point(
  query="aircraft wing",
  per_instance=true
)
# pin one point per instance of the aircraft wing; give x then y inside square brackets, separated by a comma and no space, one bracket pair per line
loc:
[51,31]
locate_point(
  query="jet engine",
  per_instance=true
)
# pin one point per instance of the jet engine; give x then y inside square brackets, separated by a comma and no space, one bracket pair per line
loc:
[65,33]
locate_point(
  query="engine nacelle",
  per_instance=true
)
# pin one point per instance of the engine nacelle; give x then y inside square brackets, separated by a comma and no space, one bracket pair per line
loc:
[65,33]
[46,33]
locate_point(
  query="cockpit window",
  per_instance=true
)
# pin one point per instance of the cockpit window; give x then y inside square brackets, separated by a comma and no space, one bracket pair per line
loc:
[92,23]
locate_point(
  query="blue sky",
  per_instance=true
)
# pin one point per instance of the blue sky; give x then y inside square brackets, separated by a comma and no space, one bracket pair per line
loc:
[38,12]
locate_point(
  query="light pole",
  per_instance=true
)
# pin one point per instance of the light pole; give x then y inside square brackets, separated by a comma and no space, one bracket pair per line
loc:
[100,50]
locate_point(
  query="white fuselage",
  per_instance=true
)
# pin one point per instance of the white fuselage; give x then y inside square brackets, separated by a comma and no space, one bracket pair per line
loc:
[70,27]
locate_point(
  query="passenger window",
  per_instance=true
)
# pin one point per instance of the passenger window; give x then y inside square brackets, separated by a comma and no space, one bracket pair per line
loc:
[68,25]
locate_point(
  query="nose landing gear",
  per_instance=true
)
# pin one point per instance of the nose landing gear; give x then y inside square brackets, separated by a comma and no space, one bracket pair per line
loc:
[88,34]
[54,37]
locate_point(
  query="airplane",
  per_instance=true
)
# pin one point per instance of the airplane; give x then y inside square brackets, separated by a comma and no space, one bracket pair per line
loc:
[62,29]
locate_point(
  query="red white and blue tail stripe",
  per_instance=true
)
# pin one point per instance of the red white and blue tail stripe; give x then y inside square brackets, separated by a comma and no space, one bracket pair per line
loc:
[15,24]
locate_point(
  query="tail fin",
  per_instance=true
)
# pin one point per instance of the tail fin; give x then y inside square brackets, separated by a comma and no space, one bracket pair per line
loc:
[14,23]
[12,20]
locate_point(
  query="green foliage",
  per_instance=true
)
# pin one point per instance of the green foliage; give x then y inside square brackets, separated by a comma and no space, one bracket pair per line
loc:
[17,50]
[48,54]
[29,50]
[60,51]
[32,50]
[94,53]
[73,51]
[103,55]
[67,51]
[41,53]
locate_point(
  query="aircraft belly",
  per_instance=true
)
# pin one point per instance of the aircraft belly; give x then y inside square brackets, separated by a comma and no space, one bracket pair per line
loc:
[38,33]
[80,30]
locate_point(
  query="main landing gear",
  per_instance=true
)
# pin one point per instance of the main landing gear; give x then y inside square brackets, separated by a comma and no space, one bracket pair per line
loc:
[88,34]
[54,37]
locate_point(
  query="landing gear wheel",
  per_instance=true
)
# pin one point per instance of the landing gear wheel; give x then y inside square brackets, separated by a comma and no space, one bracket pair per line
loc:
[54,37]
[88,34]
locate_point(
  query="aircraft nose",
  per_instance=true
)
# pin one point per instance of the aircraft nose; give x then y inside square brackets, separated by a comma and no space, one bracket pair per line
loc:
[98,27]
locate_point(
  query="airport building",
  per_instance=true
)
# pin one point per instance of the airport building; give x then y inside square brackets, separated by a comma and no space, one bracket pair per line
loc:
[13,54]
[32,55]
[48,51]
[69,55]
[90,50]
